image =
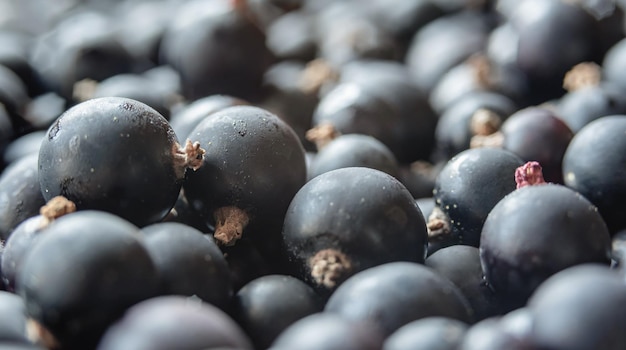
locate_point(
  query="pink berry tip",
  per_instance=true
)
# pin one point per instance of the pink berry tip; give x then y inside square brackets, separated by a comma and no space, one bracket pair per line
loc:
[529,174]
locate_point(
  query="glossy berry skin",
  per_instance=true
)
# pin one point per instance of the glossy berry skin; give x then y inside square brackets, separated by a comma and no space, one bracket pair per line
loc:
[15,55]
[17,246]
[346,38]
[291,36]
[618,252]
[490,334]
[81,46]
[174,322]
[411,137]
[478,74]
[461,265]
[394,294]
[426,205]
[580,107]
[613,63]
[443,43]
[385,105]
[246,263]
[83,273]
[6,136]
[24,145]
[189,116]
[535,232]
[266,306]
[351,109]
[112,154]
[139,87]
[188,263]
[594,165]
[404,19]
[419,179]
[435,333]
[454,129]
[330,332]
[352,150]
[288,97]
[13,91]
[254,161]
[20,193]
[361,216]
[217,49]
[537,134]
[13,325]
[469,186]
[580,308]
[545,38]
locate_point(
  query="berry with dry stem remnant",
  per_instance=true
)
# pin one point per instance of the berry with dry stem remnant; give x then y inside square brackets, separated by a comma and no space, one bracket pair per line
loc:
[116,155]
[349,219]
[328,267]
[529,174]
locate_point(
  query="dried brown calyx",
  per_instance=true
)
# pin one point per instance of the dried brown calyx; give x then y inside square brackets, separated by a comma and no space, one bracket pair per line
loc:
[316,74]
[244,9]
[485,125]
[322,134]
[438,225]
[229,224]
[582,75]
[482,70]
[239,4]
[38,334]
[190,156]
[529,174]
[54,209]
[485,122]
[329,267]
[84,89]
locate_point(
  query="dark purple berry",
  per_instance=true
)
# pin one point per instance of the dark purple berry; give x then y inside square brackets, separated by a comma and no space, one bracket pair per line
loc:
[117,155]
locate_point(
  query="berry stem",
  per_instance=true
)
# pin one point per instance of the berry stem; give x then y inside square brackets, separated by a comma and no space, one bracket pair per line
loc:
[84,90]
[316,74]
[229,224]
[582,75]
[322,134]
[328,267]
[482,70]
[189,157]
[55,208]
[38,334]
[529,174]
[485,122]
[438,225]
[485,125]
